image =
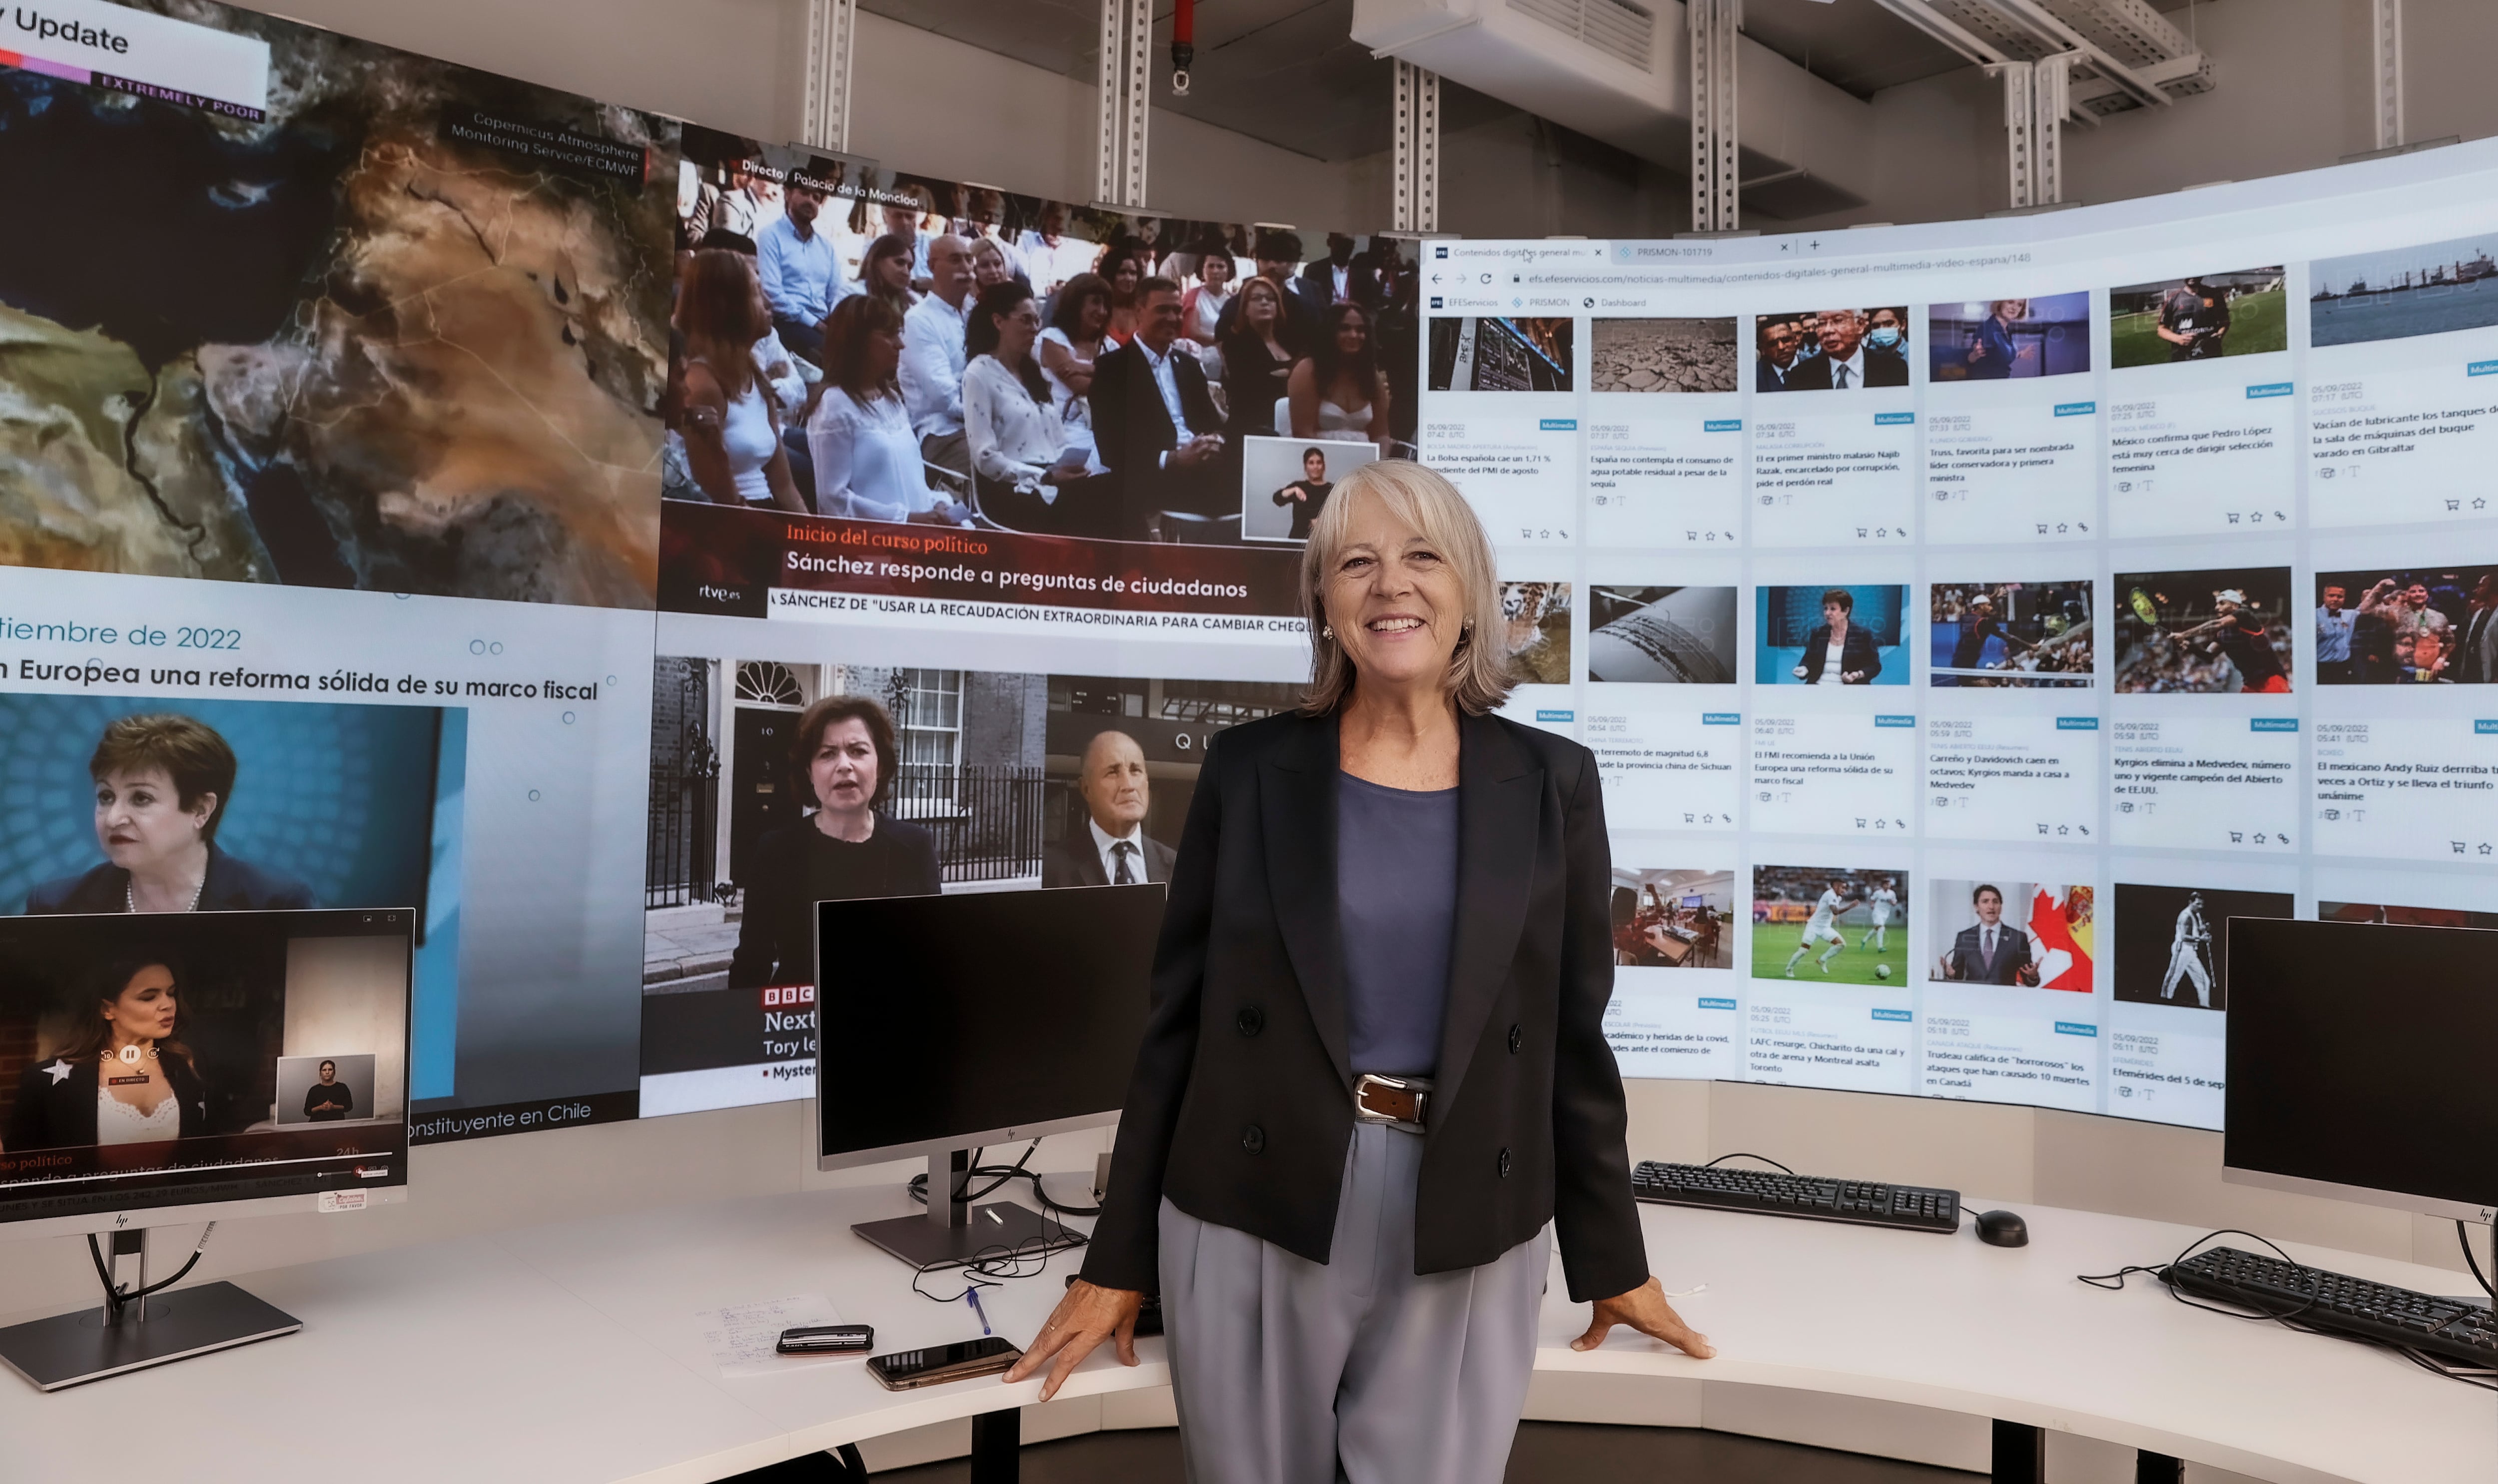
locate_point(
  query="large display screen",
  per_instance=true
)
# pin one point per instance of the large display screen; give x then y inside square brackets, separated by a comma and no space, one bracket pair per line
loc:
[1982,615]
[496,486]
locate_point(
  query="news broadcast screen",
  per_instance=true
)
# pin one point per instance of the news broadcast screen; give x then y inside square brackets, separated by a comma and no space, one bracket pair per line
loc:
[1981,615]
[202,1059]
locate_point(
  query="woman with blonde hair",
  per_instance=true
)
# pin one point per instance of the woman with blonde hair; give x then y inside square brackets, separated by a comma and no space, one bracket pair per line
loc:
[1390,916]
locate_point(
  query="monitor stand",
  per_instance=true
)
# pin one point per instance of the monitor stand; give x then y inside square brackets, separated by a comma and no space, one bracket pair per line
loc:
[92,1343]
[956,1234]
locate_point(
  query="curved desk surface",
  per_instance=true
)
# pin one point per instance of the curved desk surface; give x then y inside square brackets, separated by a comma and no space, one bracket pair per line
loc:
[571,1352]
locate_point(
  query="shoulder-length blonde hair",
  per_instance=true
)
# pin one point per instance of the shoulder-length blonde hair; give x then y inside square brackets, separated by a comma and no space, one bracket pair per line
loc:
[1477,678]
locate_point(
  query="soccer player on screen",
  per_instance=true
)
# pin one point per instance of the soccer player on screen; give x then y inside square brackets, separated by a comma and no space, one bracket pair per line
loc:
[1881,903]
[1822,928]
[2188,954]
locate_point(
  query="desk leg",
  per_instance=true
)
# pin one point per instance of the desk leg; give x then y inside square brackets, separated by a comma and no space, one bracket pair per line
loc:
[2020,1454]
[2158,1469]
[996,1443]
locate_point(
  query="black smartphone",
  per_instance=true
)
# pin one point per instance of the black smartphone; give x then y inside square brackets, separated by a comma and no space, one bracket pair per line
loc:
[904,1369]
[826,1338]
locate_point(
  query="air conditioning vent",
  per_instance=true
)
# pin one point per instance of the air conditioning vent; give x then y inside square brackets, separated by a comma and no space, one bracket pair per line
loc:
[1621,30]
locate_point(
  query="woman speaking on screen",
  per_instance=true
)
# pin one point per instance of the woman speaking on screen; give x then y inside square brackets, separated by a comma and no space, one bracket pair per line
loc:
[162,784]
[121,1077]
[1375,1068]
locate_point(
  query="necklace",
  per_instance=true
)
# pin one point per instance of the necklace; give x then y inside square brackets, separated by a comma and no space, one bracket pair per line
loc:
[130,893]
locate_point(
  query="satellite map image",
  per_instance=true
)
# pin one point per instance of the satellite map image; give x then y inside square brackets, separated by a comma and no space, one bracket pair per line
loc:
[406,332]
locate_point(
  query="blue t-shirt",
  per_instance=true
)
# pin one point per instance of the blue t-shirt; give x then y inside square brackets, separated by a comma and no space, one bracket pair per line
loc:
[1396,896]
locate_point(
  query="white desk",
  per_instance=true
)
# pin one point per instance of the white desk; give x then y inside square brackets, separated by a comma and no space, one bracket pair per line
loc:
[570,1353]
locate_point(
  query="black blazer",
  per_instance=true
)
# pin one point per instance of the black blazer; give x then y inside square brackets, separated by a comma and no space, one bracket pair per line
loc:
[233,885]
[1241,1108]
[1074,862]
[1809,374]
[1131,425]
[60,1114]
[2011,955]
[776,943]
[1855,653]
[1885,368]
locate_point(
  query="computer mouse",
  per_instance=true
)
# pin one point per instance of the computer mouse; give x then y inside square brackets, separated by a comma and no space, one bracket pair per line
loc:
[2003,1228]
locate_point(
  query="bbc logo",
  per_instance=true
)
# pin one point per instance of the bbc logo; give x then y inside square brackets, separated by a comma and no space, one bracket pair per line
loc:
[779,995]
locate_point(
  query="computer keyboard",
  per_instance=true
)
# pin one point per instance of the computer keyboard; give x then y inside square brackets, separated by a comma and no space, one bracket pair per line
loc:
[2330,1301]
[1815,1197]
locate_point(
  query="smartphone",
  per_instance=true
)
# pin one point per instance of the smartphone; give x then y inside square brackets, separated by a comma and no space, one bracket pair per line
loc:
[826,1340]
[904,1369]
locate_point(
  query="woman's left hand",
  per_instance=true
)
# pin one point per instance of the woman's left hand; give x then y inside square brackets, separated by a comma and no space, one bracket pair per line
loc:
[1644,1309]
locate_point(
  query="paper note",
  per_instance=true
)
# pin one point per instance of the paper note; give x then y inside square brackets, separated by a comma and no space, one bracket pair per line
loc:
[741,1337]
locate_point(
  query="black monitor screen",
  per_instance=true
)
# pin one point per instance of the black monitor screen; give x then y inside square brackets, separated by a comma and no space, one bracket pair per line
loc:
[949,1017]
[2359,1055]
[199,1057]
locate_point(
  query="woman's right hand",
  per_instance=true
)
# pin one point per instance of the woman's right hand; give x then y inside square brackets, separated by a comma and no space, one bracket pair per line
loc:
[1082,1320]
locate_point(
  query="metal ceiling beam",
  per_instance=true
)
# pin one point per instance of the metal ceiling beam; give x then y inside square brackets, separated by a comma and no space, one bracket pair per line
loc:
[832,34]
[1715,184]
[1126,101]
[1417,204]
[2038,18]
[1950,33]
[2386,42]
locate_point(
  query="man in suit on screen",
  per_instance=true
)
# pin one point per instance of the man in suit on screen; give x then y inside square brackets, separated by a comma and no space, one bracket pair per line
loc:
[1113,849]
[1154,420]
[1990,951]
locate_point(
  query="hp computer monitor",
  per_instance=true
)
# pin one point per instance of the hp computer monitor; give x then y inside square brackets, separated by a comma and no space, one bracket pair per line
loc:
[195,1067]
[2358,1065]
[978,1017]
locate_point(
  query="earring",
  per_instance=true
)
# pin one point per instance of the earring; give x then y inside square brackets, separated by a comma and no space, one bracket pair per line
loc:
[1325,632]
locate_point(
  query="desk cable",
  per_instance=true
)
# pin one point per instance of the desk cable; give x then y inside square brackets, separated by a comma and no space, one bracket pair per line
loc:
[114,1298]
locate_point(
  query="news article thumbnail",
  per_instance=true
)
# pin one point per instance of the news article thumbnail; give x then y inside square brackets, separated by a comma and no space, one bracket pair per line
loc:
[2220,631]
[1848,635]
[1673,919]
[163,1050]
[2011,634]
[2001,339]
[1666,636]
[2042,934]
[2407,626]
[1535,632]
[1489,354]
[2403,292]
[1662,355]
[123,803]
[2244,312]
[776,785]
[1831,350]
[1841,925]
[404,332]
[2172,946]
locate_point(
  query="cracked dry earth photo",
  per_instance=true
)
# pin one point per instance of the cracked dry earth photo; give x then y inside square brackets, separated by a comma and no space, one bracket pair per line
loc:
[380,339]
[1662,355]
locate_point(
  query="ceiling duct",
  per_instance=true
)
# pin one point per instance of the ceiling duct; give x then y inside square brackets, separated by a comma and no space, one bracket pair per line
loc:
[1619,71]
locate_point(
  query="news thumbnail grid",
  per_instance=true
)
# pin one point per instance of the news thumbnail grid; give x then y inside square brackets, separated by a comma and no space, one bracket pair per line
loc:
[210,264]
[999,781]
[1072,439]
[200,1057]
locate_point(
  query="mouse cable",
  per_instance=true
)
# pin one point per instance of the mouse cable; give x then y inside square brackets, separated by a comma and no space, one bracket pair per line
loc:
[1740,1154]
[2463,1234]
[114,1298]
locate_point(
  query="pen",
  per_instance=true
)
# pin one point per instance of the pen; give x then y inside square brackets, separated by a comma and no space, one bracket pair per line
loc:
[971,1296]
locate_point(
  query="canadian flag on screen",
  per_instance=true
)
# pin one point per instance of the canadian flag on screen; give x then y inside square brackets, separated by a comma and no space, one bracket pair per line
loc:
[2063,932]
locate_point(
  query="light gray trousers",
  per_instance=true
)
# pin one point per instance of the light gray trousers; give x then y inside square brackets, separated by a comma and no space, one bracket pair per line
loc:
[1292,1372]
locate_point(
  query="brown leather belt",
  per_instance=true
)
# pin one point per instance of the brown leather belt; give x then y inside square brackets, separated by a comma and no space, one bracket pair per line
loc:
[1403,1101]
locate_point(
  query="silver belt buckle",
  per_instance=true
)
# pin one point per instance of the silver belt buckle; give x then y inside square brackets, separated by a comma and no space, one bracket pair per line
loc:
[1419,1088]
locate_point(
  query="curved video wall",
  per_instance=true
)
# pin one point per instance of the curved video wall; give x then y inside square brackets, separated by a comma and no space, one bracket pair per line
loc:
[1979,616]
[1971,619]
